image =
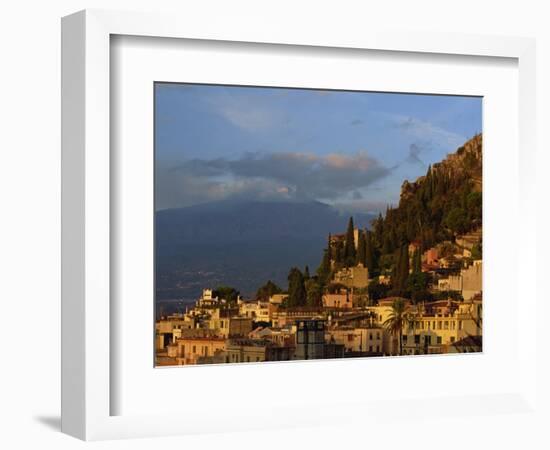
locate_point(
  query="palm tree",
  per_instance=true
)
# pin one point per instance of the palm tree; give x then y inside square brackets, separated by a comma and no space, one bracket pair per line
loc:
[397,320]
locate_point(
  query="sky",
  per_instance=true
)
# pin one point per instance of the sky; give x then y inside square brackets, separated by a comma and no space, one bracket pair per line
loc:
[352,150]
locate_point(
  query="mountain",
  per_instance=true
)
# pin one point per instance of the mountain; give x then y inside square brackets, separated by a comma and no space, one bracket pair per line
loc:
[240,243]
[436,207]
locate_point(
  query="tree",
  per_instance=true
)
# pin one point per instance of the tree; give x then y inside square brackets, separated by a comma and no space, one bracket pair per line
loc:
[323,271]
[267,290]
[360,257]
[417,262]
[349,245]
[296,288]
[314,292]
[228,293]
[306,273]
[369,252]
[477,251]
[377,290]
[401,272]
[456,220]
[397,320]
[417,286]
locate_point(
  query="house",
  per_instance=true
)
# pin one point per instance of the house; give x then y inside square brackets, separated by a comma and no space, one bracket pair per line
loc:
[339,300]
[353,277]
[188,350]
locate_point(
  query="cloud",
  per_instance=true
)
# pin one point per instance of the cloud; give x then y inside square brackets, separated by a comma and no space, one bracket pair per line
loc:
[288,175]
[249,119]
[247,112]
[414,154]
[427,132]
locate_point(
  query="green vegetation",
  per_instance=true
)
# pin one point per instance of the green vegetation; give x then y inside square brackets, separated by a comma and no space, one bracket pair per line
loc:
[296,288]
[349,245]
[433,210]
[267,290]
[396,321]
[230,294]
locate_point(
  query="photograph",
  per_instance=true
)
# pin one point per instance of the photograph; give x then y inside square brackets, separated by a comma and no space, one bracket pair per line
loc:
[299,224]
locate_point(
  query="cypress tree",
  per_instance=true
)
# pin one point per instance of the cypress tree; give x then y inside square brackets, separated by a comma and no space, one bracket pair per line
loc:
[404,269]
[323,271]
[349,245]
[417,262]
[360,258]
[369,252]
[296,288]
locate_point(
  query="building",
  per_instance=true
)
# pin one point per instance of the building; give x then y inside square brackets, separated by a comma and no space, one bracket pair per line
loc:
[310,339]
[207,299]
[188,350]
[258,311]
[472,280]
[362,341]
[353,277]
[289,316]
[168,328]
[468,282]
[339,300]
[256,350]
[437,326]
[277,299]
[285,336]
[431,256]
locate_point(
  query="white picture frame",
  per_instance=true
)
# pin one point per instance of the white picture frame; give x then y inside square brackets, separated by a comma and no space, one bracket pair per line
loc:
[87,385]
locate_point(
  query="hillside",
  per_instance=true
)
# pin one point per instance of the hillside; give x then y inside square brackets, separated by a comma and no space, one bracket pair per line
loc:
[436,207]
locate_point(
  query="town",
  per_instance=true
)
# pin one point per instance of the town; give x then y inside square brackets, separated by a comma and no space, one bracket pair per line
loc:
[410,284]
[348,322]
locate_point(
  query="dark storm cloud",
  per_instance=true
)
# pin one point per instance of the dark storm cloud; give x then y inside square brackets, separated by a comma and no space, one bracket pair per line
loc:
[273,175]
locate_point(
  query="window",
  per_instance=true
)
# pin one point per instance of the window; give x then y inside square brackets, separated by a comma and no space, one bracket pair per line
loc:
[377,349]
[350,337]
[439,339]
[194,349]
[439,325]
[370,348]
[417,339]
[378,335]
[370,336]
[433,325]
[452,339]
[428,340]
[460,324]
[404,339]
[446,324]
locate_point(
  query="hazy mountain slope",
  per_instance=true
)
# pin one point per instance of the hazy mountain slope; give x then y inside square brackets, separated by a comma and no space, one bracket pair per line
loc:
[242,244]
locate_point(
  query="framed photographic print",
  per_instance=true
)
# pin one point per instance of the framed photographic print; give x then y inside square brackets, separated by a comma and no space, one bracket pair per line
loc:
[255,211]
[250,194]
